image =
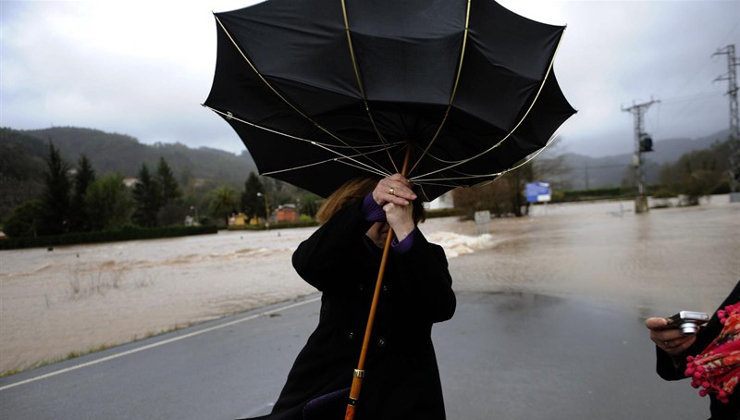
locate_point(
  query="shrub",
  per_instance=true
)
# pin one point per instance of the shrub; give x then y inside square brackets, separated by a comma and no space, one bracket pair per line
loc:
[125,233]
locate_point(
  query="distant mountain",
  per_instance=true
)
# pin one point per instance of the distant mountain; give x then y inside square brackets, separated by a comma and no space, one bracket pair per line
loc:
[110,152]
[595,172]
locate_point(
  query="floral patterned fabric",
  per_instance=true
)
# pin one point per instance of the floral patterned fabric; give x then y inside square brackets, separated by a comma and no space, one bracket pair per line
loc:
[716,370]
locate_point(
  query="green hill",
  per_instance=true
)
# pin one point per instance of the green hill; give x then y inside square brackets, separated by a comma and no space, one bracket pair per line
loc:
[22,154]
[112,152]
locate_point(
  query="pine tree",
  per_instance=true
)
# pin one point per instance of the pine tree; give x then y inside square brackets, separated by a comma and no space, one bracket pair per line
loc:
[171,211]
[147,195]
[252,204]
[55,198]
[165,177]
[79,219]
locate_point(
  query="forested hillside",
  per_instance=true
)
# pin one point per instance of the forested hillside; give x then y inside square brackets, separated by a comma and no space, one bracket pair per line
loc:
[110,152]
[22,154]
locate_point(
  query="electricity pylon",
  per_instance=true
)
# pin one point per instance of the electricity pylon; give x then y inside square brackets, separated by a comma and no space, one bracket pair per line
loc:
[643,143]
[734,139]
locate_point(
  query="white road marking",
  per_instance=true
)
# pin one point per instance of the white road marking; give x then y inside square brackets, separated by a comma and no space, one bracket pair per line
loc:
[159,343]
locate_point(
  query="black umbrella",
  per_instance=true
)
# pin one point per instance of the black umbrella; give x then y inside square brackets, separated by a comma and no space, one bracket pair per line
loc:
[323,91]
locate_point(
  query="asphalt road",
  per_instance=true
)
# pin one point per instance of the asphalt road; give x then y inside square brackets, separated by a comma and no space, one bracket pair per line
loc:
[503,356]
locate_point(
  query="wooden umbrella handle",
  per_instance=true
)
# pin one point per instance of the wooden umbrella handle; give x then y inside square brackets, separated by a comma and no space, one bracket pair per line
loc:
[359,373]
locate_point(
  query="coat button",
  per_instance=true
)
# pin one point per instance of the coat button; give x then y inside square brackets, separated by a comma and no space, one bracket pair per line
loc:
[381,342]
[351,335]
[386,289]
[361,288]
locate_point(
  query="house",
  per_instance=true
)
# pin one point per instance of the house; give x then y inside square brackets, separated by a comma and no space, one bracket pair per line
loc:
[286,213]
[238,219]
[130,182]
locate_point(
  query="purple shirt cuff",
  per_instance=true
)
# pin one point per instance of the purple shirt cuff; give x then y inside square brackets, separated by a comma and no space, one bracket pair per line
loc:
[403,246]
[371,210]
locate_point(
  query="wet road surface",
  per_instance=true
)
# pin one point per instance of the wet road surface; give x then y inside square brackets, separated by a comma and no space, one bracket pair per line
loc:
[503,356]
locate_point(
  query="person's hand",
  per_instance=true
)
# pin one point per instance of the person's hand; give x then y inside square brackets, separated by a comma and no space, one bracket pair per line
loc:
[669,340]
[400,218]
[393,189]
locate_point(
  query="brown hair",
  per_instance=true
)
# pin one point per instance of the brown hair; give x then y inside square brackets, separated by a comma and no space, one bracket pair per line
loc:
[353,191]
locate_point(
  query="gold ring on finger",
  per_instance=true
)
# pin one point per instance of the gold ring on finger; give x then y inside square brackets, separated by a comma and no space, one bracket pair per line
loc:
[391,191]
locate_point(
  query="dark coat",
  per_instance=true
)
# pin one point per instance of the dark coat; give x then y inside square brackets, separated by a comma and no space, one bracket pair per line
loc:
[673,368]
[402,379]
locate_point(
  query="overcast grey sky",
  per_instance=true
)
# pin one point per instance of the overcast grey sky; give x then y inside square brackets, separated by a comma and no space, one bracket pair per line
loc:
[143,67]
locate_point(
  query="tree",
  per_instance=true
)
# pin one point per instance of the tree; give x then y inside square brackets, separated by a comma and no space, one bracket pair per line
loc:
[108,202]
[309,204]
[55,198]
[502,197]
[78,216]
[223,203]
[21,169]
[171,209]
[695,174]
[252,204]
[165,177]
[24,219]
[496,197]
[147,195]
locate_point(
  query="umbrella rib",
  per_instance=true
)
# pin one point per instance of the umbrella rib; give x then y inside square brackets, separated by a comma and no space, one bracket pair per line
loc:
[443,184]
[462,178]
[368,168]
[230,116]
[542,85]
[497,174]
[360,86]
[454,90]
[339,160]
[279,95]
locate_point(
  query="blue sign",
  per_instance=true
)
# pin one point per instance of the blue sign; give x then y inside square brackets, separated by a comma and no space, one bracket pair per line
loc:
[538,192]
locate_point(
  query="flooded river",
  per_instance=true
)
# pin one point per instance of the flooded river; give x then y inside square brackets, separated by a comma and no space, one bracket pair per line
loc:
[668,258]
[76,298]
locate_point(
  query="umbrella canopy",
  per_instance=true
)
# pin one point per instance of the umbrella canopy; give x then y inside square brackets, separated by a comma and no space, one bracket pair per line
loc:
[322,91]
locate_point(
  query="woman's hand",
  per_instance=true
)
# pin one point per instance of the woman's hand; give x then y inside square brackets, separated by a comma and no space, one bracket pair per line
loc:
[669,340]
[394,189]
[400,218]
[395,195]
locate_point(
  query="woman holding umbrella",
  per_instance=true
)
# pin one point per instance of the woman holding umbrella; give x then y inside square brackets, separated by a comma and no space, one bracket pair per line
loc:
[322,92]
[341,260]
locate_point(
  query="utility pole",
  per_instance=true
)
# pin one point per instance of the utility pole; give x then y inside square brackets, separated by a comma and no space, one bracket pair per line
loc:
[734,139]
[643,144]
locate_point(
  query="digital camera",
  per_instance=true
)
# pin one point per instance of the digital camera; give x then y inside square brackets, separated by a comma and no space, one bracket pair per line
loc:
[688,321]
